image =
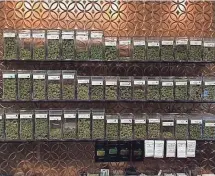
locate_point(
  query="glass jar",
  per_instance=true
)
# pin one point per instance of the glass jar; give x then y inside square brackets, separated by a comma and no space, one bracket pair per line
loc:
[82,48]
[181,49]
[10,44]
[68,45]
[97,88]
[25,45]
[98,124]
[39,45]
[24,85]
[26,125]
[68,84]
[70,124]
[84,124]
[111,88]
[83,87]
[153,49]
[39,85]
[9,85]
[54,85]
[110,48]
[96,45]
[41,125]
[55,124]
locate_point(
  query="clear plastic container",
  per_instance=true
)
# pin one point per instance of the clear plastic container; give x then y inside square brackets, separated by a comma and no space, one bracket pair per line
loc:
[181,49]
[140,127]
[83,87]
[167,49]
[9,85]
[181,126]
[110,48]
[167,88]
[139,88]
[55,124]
[82,48]
[195,50]
[25,45]
[96,45]
[54,85]
[97,88]
[208,93]
[181,88]
[125,48]
[68,84]
[153,88]
[125,88]
[111,88]
[139,48]
[112,126]
[195,126]
[12,125]
[24,85]
[26,125]
[209,126]
[41,125]
[84,124]
[2,128]
[153,49]
[195,89]
[68,45]
[70,124]
[39,45]
[98,124]
[39,85]
[53,44]
[209,49]
[126,126]
[10,45]
[168,126]
[154,126]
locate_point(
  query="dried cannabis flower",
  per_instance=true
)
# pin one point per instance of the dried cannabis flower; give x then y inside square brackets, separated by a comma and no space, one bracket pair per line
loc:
[9,87]
[153,51]
[167,50]
[126,131]
[26,128]
[195,129]
[97,89]
[112,127]
[98,130]
[68,49]
[39,89]
[84,128]
[54,128]
[195,53]
[41,128]
[195,90]
[181,89]
[83,89]
[12,127]
[24,86]
[10,46]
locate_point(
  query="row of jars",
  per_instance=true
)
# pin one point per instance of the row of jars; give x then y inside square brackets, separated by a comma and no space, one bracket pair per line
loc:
[92,45]
[96,124]
[66,85]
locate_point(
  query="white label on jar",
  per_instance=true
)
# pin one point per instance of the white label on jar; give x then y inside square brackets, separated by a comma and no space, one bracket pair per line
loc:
[167,83]
[142,121]
[168,123]
[97,117]
[209,124]
[41,116]
[82,81]
[24,35]
[25,116]
[84,38]
[8,75]
[196,42]
[69,116]
[154,120]
[0,116]
[112,120]
[125,42]
[196,121]
[38,76]
[182,42]
[211,83]
[97,83]
[191,148]
[54,118]
[53,77]
[83,116]
[170,148]
[67,34]
[11,116]
[23,75]
[139,43]
[52,36]
[111,83]
[139,82]
[181,83]
[153,82]
[209,44]
[149,148]
[181,149]
[9,34]
[82,33]
[126,120]
[195,82]
[68,76]
[39,35]
[167,42]
[159,149]
[125,83]
[182,122]
[153,43]
[96,34]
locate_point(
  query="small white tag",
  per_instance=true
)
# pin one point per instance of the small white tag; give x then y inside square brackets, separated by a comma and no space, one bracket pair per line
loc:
[126,120]
[38,35]
[196,121]
[112,120]
[170,148]
[83,81]
[168,123]
[9,76]
[141,121]
[11,116]
[191,148]
[9,34]
[167,83]
[54,118]
[41,116]
[125,42]
[139,43]
[24,35]
[149,148]
[98,117]
[153,82]
[25,116]
[182,42]
[53,77]
[97,83]
[111,83]
[82,37]
[194,42]
[139,82]
[209,124]
[159,149]
[83,116]
[195,82]
[68,76]
[181,83]
[111,42]
[96,34]
[209,44]
[153,43]
[154,120]
[52,36]
[181,149]
[38,76]
[0,117]
[210,83]
[24,75]
[67,34]
[167,42]
[125,83]
[182,122]
[69,116]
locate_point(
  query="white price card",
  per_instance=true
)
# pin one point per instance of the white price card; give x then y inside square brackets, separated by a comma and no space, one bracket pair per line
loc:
[167,42]
[112,120]
[159,149]
[126,120]
[125,83]
[69,116]
[25,116]
[111,83]
[98,117]
[209,44]
[149,148]
[53,77]
[9,34]
[38,76]
[68,76]
[167,83]
[139,121]
[154,120]
[181,149]
[24,75]
[182,83]
[97,83]
[67,34]
[195,82]
[11,116]
[170,148]
[41,116]
[139,43]
[191,148]
[139,82]
[10,76]
[83,116]
[83,81]
[38,35]
[54,118]
[153,82]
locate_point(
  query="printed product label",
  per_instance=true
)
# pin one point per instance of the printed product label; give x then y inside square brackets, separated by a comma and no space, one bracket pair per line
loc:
[181,149]
[54,118]
[125,42]
[196,121]
[52,36]
[67,34]
[167,83]
[181,83]
[209,124]
[11,116]
[97,83]
[195,82]
[196,42]
[125,83]
[211,83]
[96,34]
[97,117]
[168,123]
[191,148]
[149,148]
[182,122]
[139,43]
[68,76]
[41,116]
[126,120]
[209,44]
[139,82]
[82,81]
[83,116]
[69,116]
[154,120]
[182,42]
[111,83]
[8,75]
[170,148]
[26,116]
[24,35]
[159,149]
[53,77]
[111,42]
[9,34]
[153,44]
[167,42]
[38,76]
[23,75]
[38,35]
[153,82]
[112,120]
[142,121]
